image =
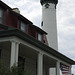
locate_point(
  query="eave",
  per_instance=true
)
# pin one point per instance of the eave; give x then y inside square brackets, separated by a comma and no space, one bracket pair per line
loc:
[25,37]
[4,5]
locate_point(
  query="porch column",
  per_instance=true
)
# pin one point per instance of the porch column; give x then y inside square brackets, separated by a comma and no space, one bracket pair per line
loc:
[70,70]
[57,68]
[40,64]
[14,53]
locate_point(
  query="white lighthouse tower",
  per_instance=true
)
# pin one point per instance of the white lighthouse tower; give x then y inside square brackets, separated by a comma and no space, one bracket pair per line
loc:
[49,21]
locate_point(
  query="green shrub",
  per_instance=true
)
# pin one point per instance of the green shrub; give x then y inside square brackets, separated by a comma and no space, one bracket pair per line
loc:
[14,70]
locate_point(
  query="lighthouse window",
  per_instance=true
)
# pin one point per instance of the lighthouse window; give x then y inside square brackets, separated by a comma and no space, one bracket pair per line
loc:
[23,26]
[46,5]
[39,36]
[1,15]
[42,23]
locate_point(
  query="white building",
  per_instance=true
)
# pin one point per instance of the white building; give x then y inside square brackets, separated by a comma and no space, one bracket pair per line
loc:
[49,21]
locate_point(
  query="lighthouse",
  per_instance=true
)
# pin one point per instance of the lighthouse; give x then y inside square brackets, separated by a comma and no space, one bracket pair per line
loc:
[49,21]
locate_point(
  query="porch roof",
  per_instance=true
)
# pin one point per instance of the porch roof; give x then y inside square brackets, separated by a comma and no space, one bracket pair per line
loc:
[22,35]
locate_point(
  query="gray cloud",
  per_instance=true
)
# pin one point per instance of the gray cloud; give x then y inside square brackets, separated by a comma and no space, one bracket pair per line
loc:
[66,28]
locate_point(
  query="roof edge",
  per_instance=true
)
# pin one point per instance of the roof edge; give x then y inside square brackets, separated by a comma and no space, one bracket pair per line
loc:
[22,35]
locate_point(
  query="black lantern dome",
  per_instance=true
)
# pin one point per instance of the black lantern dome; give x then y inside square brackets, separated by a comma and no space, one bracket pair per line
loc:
[48,1]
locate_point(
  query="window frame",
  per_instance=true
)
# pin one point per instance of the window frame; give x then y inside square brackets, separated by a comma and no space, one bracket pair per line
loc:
[21,63]
[24,29]
[1,15]
[40,36]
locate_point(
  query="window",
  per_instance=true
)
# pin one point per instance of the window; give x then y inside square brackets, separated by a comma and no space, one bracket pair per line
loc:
[0,54]
[21,62]
[40,37]
[46,5]
[42,23]
[1,15]
[23,26]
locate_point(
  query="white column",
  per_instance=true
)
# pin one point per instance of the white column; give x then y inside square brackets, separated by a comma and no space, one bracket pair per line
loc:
[14,53]
[57,68]
[70,72]
[40,64]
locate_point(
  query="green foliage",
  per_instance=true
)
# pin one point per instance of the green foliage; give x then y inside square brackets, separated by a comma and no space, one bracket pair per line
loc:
[15,70]
[3,69]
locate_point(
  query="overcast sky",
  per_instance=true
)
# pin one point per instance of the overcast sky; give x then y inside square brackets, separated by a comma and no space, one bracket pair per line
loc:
[31,9]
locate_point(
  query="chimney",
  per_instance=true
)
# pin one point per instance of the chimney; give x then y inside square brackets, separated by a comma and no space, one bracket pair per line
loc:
[16,10]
